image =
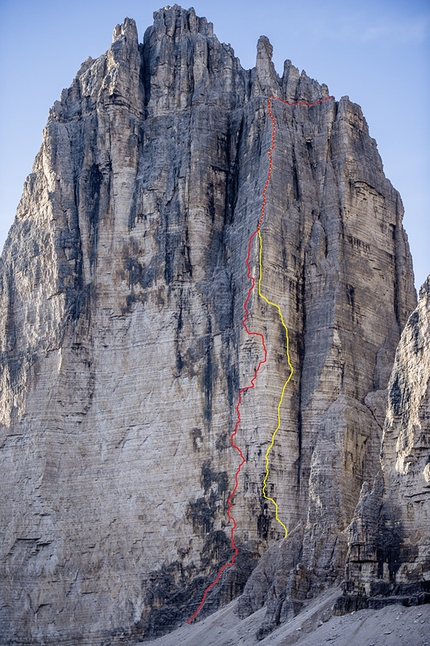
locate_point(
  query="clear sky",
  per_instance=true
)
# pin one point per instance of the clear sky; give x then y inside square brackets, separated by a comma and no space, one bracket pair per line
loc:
[375,51]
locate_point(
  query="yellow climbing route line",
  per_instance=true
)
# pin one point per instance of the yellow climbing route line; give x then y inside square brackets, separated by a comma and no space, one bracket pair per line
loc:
[290,365]
[269,302]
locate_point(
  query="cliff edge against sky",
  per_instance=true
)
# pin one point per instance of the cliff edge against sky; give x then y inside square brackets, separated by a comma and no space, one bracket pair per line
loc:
[122,288]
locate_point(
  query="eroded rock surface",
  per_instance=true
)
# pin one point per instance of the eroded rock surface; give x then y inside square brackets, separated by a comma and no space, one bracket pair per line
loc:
[121,297]
[389,537]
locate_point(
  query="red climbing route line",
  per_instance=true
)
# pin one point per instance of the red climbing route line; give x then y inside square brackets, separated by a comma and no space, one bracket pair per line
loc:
[272,147]
[250,333]
[277,307]
[233,435]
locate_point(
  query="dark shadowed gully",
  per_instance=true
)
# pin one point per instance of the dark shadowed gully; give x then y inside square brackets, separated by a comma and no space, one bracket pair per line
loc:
[122,285]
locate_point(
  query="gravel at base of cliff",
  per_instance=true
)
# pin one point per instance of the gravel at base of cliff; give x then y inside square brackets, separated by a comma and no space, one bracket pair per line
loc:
[390,626]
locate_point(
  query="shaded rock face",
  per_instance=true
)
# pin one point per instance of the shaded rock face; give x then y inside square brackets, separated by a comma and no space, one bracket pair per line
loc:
[121,297]
[389,537]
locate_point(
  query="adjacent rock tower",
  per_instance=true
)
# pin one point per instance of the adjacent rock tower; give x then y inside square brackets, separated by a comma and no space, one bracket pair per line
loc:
[389,538]
[121,297]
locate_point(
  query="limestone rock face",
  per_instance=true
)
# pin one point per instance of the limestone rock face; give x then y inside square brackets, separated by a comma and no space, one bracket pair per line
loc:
[389,537]
[122,285]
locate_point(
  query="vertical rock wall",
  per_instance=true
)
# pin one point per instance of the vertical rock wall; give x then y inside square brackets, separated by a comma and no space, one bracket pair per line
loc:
[389,544]
[121,297]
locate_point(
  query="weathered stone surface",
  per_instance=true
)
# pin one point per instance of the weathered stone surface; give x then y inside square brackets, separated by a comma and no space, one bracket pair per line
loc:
[121,297]
[389,537]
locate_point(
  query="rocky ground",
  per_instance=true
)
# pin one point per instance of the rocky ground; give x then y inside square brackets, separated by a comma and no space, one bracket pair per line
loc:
[391,626]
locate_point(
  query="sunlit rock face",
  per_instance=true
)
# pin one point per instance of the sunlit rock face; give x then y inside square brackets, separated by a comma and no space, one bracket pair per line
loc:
[389,537]
[122,288]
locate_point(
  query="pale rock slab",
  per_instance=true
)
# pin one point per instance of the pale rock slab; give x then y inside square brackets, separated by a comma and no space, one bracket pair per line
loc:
[389,537]
[122,285]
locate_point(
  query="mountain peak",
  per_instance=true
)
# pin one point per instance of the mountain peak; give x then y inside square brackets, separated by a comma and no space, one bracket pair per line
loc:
[188,222]
[127,29]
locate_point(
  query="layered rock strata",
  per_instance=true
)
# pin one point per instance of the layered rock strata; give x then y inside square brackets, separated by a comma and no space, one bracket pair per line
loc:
[388,559]
[389,537]
[122,285]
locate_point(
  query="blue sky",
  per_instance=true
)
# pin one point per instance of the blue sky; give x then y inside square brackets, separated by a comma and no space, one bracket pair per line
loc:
[376,52]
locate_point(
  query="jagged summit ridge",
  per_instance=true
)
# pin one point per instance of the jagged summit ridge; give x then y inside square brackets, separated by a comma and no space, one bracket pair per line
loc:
[122,286]
[169,19]
[215,75]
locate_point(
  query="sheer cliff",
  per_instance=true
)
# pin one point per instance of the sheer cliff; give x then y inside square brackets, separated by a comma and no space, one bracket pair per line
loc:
[122,285]
[389,537]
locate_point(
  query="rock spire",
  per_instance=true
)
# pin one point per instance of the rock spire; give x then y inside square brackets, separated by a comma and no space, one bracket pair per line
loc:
[122,285]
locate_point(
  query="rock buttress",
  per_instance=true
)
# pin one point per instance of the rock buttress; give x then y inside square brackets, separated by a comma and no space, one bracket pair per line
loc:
[121,295]
[389,546]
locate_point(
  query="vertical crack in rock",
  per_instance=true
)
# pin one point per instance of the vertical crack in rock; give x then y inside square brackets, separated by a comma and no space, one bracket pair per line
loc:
[122,285]
[388,557]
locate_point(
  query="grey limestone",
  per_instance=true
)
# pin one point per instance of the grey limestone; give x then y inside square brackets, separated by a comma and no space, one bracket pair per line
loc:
[122,285]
